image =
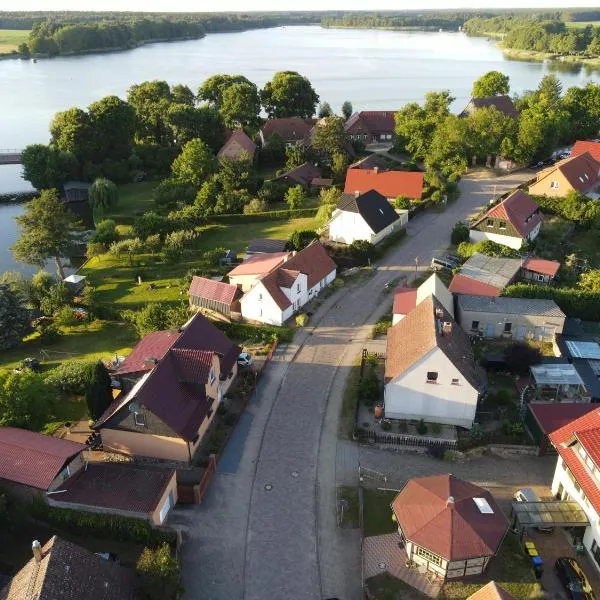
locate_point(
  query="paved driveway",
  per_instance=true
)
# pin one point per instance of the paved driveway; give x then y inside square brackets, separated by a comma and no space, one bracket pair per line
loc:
[270,527]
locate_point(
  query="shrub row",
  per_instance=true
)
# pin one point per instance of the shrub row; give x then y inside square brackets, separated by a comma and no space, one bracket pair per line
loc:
[573,302]
[255,333]
[125,529]
[273,215]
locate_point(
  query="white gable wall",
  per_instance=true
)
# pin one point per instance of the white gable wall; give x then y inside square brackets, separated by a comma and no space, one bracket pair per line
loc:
[258,305]
[298,293]
[409,396]
[347,227]
[434,286]
[315,289]
[504,240]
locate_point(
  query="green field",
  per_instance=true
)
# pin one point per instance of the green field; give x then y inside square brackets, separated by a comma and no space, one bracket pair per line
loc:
[582,24]
[11,38]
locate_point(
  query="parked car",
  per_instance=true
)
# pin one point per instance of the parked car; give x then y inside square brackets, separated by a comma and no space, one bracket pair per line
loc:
[244,360]
[528,495]
[573,579]
[536,165]
[565,154]
[444,262]
[456,257]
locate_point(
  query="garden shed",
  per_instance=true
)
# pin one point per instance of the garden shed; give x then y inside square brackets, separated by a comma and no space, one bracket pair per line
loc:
[214,295]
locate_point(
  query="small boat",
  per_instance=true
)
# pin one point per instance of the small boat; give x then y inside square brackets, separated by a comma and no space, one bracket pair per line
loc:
[34,60]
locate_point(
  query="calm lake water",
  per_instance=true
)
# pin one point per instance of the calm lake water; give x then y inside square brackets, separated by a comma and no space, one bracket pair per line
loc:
[372,69]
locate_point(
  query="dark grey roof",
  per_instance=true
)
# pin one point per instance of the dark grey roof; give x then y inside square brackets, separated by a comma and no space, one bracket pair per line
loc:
[501,103]
[266,246]
[492,270]
[372,207]
[511,306]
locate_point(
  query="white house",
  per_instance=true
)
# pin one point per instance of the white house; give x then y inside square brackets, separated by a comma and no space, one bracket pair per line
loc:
[368,217]
[577,473]
[513,222]
[285,289]
[406,299]
[430,372]
[248,273]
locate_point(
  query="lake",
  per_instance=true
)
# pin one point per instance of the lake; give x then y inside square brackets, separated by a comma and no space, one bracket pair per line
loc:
[374,69]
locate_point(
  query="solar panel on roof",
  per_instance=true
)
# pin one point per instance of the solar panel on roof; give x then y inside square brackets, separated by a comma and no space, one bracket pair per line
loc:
[584,349]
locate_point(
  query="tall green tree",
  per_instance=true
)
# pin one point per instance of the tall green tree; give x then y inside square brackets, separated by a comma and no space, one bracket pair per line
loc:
[71,131]
[240,105]
[25,399]
[159,574]
[493,83]
[583,107]
[47,167]
[487,127]
[295,156]
[182,94]
[15,319]
[151,100]
[47,231]
[99,393]
[187,123]
[347,109]
[289,94]
[295,197]
[330,138]
[194,164]
[324,110]
[214,87]
[113,122]
[103,194]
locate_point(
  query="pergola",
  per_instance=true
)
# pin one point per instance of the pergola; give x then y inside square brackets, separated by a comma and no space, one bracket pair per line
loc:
[550,513]
[555,381]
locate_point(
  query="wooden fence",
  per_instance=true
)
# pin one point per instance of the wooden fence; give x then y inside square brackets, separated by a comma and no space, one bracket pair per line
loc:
[407,440]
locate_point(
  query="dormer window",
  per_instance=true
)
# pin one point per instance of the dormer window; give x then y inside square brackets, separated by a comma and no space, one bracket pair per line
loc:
[490,222]
[502,225]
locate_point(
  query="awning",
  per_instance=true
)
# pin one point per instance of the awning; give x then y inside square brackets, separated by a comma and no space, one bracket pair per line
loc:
[550,513]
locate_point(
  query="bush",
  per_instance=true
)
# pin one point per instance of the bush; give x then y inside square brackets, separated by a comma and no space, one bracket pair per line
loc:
[105,233]
[386,425]
[381,327]
[255,333]
[159,573]
[256,206]
[362,251]
[302,238]
[421,427]
[369,388]
[301,319]
[436,428]
[460,233]
[72,376]
[402,203]
[170,192]
[272,215]
[519,357]
[104,526]
[25,399]
[65,317]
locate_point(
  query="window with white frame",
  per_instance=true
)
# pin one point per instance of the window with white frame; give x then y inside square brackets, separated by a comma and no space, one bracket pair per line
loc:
[430,556]
[211,375]
[139,419]
[554,185]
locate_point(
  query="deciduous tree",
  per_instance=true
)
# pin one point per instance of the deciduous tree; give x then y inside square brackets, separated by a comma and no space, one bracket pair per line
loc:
[493,83]
[347,109]
[47,167]
[289,94]
[25,399]
[103,194]
[240,105]
[295,197]
[113,122]
[15,319]
[151,100]
[194,164]
[71,131]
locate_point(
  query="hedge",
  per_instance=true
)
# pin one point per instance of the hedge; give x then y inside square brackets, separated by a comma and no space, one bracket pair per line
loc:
[573,302]
[125,529]
[273,215]
[255,333]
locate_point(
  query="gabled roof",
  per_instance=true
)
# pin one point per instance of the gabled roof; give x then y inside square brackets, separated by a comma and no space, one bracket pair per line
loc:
[388,183]
[420,332]
[439,513]
[289,128]
[461,284]
[586,431]
[501,103]
[592,148]
[519,210]
[492,270]
[491,591]
[152,347]
[551,416]
[239,138]
[202,287]
[370,162]
[374,120]
[304,174]
[313,261]
[374,208]
[70,572]
[405,299]
[117,487]
[33,459]
[505,305]
[542,266]
[266,246]
[260,264]
[580,171]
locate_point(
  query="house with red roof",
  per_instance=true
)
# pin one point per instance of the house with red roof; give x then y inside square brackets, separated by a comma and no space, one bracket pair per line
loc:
[579,173]
[168,403]
[285,289]
[577,473]
[246,274]
[592,148]
[513,222]
[450,527]
[214,295]
[390,184]
[237,146]
[539,270]
[292,130]
[371,126]
[406,298]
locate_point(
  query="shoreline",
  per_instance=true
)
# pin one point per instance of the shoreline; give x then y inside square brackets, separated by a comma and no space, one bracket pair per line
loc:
[533,55]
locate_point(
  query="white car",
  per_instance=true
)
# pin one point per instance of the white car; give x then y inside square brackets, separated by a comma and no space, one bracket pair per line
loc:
[244,360]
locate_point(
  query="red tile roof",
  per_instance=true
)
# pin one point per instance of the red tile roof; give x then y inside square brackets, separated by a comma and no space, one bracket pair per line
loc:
[586,429]
[554,415]
[405,299]
[192,366]
[461,284]
[376,121]
[291,129]
[259,264]
[239,137]
[388,183]
[117,487]
[519,210]
[271,284]
[593,148]
[455,530]
[491,591]
[314,261]
[33,459]
[152,346]
[580,171]
[202,287]
[543,266]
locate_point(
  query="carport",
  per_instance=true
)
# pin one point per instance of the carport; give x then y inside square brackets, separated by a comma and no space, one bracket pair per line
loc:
[550,513]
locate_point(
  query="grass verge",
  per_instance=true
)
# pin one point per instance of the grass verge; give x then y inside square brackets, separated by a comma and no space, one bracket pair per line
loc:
[386,587]
[377,514]
[350,516]
[11,38]
[347,421]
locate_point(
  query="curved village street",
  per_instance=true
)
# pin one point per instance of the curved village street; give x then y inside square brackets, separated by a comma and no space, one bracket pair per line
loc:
[267,526]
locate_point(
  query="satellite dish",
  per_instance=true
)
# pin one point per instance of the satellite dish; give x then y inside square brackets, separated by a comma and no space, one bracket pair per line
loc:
[134,407]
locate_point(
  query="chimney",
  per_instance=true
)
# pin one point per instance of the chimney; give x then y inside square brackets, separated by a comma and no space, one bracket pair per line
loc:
[356,193]
[36,548]
[376,169]
[447,328]
[450,502]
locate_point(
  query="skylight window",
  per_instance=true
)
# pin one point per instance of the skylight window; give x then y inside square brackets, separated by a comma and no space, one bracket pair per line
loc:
[484,506]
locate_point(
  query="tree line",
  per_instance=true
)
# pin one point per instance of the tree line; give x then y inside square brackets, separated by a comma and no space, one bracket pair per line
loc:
[540,35]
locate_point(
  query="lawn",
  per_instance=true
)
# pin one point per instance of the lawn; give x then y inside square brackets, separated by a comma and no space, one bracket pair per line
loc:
[115,279]
[134,200]
[510,569]
[581,24]
[350,517]
[11,38]
[377,514]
